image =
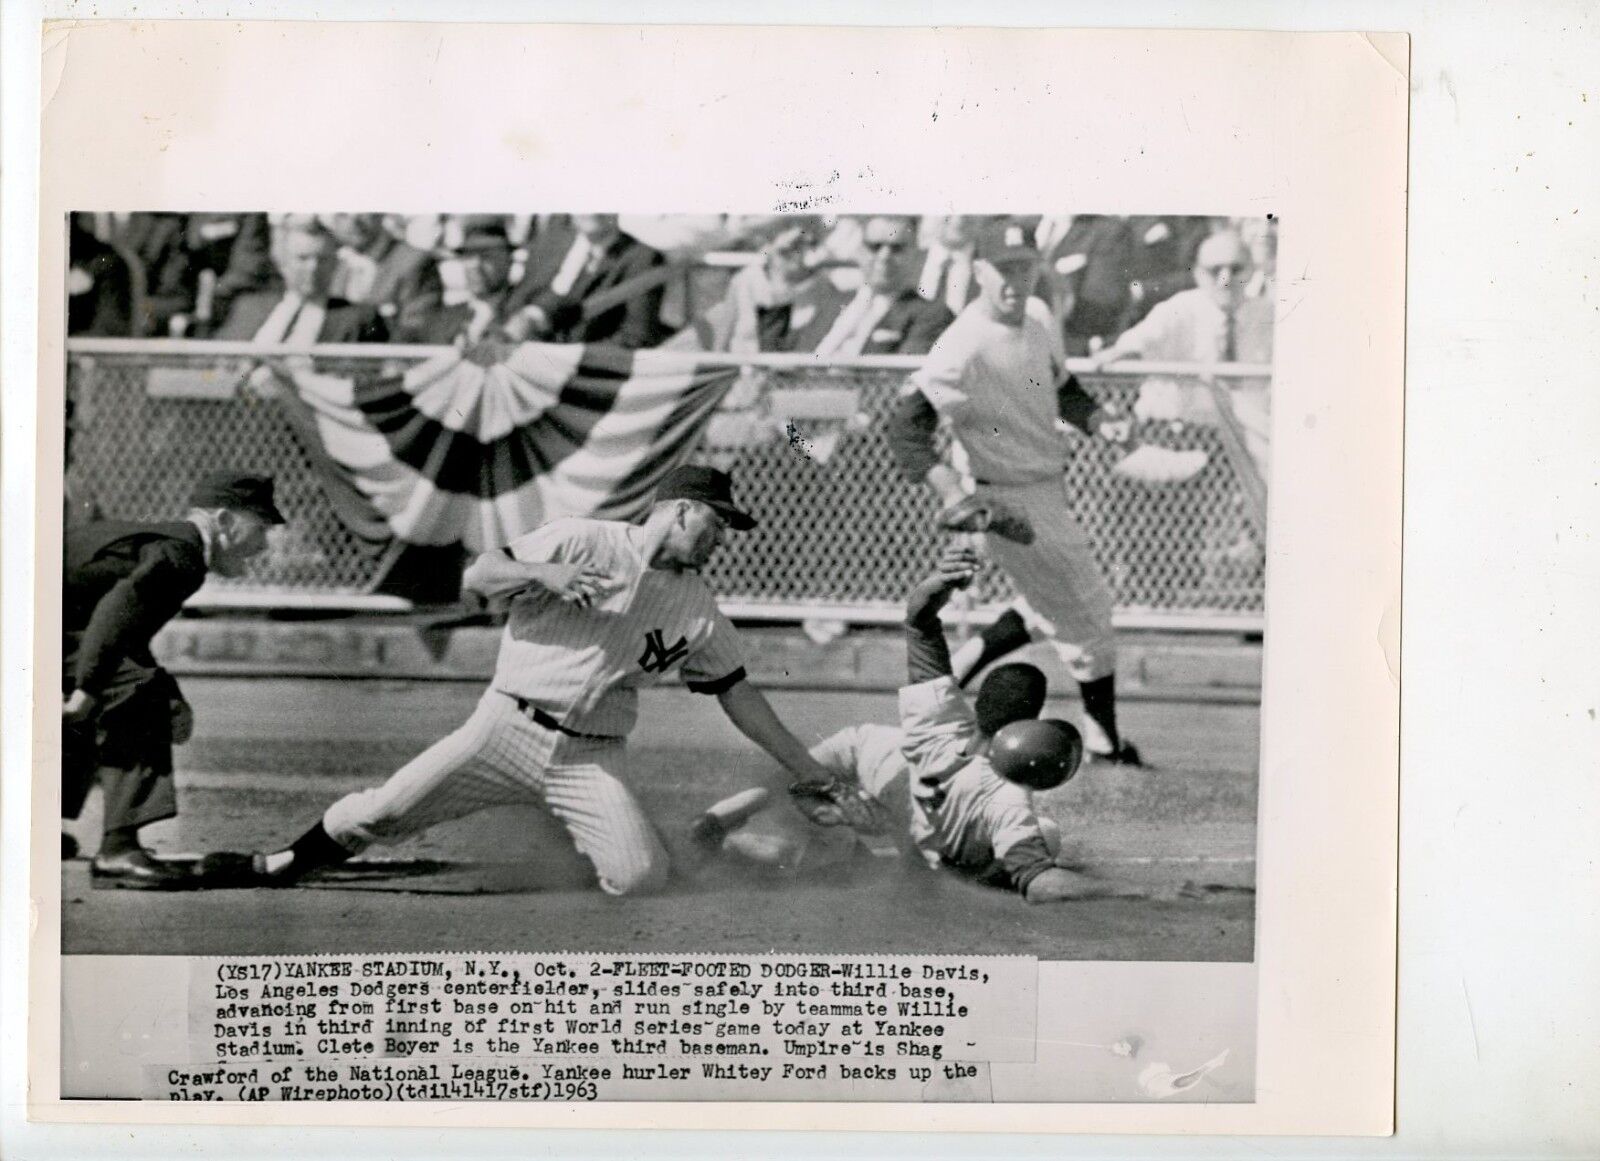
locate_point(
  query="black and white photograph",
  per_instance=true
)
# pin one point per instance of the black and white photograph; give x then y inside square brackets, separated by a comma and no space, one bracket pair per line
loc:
[953,605]
[878,583]
[811,650]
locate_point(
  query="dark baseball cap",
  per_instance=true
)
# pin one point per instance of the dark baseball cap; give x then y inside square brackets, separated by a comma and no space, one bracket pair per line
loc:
[484,235]
[239,491]
[709,487]
[1007,242]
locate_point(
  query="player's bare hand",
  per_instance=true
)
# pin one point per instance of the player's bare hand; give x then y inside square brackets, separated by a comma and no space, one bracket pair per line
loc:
[958,563]
[578,584]
[77,708]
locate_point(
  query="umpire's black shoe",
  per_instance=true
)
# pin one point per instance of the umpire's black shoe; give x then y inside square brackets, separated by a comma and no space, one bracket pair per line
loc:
[1126,754]
[136,870]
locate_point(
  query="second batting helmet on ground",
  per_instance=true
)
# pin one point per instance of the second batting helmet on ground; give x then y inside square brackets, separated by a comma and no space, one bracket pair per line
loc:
[1039,754]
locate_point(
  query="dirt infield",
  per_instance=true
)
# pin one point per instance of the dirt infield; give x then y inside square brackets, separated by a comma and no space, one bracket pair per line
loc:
[270,754]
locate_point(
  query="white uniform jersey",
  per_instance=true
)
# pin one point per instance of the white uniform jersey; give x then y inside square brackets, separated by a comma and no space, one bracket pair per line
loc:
[996,387]
[962,812]
[584,666]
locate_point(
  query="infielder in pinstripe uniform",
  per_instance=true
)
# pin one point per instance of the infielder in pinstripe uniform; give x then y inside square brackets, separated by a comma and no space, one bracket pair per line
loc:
[997,376]
[599,610]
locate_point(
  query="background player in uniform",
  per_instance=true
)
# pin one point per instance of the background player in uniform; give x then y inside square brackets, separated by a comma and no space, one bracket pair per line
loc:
[599,609]
[122,713]
[962,776]
[997,375]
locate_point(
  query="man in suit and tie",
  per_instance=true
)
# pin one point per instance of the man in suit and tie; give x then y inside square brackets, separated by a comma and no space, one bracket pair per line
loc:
[379,268]
[887,316]
[305,312]
[549,305]
[1216,322]
[476,306]
[122,713]
[947,264]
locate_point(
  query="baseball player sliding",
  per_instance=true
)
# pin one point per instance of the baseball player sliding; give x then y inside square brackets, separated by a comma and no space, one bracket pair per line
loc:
[997,377]
[599,610]
[964,776]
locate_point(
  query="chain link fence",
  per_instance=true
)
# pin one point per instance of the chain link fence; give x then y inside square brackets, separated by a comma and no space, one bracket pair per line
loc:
[841,535]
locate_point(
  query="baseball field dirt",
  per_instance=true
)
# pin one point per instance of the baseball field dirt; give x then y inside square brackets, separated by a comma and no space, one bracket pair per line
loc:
[270,754]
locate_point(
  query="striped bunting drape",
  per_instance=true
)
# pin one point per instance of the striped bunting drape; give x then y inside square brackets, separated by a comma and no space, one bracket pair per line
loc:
[479,448]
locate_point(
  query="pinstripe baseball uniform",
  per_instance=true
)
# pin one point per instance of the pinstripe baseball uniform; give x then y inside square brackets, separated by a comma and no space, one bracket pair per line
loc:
[551,728]
[995,385]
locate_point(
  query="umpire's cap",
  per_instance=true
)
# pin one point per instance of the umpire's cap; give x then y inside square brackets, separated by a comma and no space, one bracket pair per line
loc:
[710,487]
[1039,754]
[239,491]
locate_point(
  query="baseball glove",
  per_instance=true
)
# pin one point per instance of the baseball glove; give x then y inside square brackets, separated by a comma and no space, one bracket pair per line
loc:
[986,514]
[840,803]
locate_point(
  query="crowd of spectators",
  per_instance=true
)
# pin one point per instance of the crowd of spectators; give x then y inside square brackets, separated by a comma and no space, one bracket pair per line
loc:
[833,286]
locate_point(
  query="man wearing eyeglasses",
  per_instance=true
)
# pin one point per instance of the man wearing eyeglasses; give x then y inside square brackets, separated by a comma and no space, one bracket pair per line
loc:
[887,316]
[1216,322]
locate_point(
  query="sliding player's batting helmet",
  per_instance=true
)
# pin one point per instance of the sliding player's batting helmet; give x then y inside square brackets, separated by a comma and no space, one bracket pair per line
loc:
[1040,754]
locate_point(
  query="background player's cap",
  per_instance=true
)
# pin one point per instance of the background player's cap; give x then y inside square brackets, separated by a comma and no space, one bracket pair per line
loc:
[237,490]
[1007,242]
[710,487]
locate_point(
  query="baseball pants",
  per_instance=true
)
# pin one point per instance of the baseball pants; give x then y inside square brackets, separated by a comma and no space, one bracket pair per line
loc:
[499,757]
[127,745]
[1064,596]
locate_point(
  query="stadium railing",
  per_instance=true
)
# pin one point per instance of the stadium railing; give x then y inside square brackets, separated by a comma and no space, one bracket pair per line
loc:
[841,538]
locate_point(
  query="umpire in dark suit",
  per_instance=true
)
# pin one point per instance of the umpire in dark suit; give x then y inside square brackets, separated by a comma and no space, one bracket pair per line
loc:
[121,712]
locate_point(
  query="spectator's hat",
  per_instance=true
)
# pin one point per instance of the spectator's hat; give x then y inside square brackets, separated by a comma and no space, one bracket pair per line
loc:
[239,491]
[711,488]
[1007,243]
[484,234]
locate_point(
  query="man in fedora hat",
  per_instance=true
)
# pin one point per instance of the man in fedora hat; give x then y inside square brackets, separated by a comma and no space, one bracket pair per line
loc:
[599,609]
[121,712]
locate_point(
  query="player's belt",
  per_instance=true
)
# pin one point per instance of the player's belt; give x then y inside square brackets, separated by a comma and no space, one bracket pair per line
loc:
[539,718]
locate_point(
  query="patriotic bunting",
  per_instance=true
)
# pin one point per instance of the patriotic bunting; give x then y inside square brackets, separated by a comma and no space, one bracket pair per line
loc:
[482,446]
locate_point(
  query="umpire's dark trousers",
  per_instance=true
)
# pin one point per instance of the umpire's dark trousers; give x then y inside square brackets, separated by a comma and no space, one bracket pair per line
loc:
[127,743]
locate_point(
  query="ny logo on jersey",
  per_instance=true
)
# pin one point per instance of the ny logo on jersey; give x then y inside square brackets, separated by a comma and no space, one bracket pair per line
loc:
[658,655]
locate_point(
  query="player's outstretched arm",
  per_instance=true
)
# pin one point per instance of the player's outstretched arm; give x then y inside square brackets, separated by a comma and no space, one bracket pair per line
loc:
[750,712]
[927,653]
[494,574]
[1059,885]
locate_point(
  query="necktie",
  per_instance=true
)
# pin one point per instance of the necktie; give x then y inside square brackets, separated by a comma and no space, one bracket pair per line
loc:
[1230,347]
[958,281]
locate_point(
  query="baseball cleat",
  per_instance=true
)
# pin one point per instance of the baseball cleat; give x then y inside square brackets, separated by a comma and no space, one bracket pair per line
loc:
[232,869]
[137,870]
[1126,754]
